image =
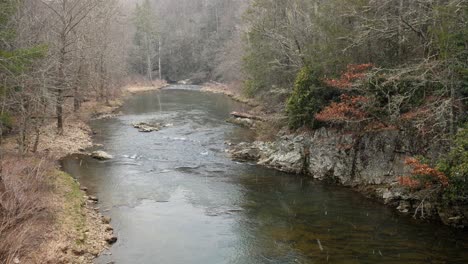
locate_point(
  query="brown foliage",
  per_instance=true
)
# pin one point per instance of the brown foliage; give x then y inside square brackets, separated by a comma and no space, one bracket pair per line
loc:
[353,73]
[349,109]
[24,210]
[422,176]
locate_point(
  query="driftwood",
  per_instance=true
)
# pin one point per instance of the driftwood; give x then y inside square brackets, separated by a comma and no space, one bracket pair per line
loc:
[247,116]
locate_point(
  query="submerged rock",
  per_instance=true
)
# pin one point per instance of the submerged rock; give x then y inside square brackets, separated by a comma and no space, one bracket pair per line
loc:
[101,155]
[147,128]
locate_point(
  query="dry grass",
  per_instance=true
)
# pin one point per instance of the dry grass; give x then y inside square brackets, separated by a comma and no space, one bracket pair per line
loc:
[25,208]
[268,130]
[45,217]
[142,86]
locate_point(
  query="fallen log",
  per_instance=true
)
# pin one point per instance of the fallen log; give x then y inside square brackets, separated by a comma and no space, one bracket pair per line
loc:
[247,116]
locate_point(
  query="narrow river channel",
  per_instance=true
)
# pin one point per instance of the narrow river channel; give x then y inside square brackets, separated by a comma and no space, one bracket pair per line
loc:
[176,198]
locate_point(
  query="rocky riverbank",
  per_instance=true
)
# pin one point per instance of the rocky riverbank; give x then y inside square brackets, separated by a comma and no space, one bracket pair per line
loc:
[370,163]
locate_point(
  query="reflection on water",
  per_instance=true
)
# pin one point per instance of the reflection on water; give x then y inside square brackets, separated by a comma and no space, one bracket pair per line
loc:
[175,197]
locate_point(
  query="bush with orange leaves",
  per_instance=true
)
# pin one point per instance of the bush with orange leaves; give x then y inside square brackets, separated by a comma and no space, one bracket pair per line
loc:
[353,73]
[349,109]
[423,176]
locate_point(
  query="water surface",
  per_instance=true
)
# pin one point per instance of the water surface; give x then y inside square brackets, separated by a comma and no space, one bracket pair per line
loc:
[175,198]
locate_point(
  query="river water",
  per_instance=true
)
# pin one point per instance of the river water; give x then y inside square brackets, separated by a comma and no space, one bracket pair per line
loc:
[176,198]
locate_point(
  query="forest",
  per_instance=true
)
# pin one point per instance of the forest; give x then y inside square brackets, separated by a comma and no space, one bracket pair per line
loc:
[354,66]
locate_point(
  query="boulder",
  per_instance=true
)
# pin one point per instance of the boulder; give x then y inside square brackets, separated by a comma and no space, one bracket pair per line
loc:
[101,155]
[106,220]
[111,240]
[244,152]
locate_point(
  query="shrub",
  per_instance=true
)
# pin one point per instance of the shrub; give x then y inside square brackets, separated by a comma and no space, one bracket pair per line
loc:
[350,108]
[6,122]
[308,98]
[423,176]
[455,166]
[24,208]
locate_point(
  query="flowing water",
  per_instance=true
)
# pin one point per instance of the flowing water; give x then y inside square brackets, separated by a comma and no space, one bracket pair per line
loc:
[176,198]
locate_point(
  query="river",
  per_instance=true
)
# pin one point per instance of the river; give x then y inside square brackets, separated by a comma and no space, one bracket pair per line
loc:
[175,197]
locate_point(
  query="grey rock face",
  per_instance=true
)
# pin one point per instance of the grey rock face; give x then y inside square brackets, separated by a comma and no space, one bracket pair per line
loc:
[245,152]
[373,158]
[286,154]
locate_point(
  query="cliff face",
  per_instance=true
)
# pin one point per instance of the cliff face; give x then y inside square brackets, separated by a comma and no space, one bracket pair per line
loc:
[371,162]
[348,159]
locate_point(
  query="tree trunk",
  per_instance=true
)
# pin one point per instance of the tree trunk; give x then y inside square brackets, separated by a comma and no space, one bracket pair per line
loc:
[76,92]
[159,60]
[76,99]
[36,140]
[61,81]
[149,68]
[59,110]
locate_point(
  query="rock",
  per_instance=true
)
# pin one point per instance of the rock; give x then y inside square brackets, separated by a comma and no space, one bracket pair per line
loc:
[244,152]
[78,252]
[111,240]
[243,122]
[106,220]
[101,155]
[109,228]
[184,82]
[16,260]
[147,128]
[404,206]
[83,188]
[93,198]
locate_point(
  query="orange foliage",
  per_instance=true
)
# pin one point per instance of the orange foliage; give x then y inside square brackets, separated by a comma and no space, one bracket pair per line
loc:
[409,182]
[422,174]
[353,73]
[349,109]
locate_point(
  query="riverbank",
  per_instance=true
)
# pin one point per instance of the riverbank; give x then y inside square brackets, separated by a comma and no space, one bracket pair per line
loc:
[232,91]
[64,225]
[370,163]
[138,87]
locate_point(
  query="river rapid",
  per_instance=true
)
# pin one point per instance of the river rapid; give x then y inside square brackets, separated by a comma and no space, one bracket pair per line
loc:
[175,197]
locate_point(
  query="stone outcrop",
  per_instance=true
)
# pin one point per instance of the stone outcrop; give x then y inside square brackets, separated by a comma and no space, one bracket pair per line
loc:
[372,158]
[370,163]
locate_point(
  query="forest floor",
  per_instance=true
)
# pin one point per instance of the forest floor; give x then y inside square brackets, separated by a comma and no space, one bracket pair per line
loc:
[66,226]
